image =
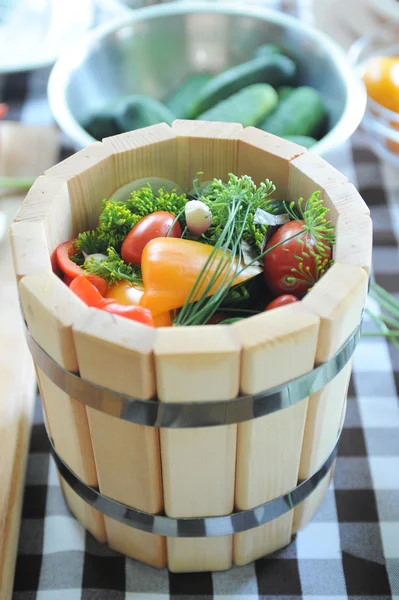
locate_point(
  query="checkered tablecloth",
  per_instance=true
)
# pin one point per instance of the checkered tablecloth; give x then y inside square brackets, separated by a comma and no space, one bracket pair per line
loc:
[350,550]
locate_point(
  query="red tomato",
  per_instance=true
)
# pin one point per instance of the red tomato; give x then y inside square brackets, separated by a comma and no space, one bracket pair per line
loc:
[135,313]
[86,291]
[152,226]
[282,301]
[124,292]
[71,270]
[280,263]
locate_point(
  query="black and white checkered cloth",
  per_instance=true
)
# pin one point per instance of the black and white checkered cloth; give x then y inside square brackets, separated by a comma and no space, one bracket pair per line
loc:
[350,550]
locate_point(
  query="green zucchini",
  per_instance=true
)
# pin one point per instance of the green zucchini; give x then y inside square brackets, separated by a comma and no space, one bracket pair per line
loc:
[301,113]
[275,70]
[248,106]
[266,50]
[181,100]
[101,125]
[142,111]
[284,91]
[301,140]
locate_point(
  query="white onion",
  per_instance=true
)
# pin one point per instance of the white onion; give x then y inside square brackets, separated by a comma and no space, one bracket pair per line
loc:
[97,256]
[198,217]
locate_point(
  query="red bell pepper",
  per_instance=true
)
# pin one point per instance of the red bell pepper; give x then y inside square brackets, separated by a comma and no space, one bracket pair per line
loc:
[63,252]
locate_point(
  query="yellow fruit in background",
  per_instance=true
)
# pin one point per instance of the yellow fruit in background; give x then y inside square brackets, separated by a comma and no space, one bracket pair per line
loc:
[381,77]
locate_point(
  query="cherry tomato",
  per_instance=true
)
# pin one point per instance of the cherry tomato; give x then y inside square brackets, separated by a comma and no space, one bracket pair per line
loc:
[280,263]
[135,313]
[63,252]
[282,301]
[86,291]
[125,293]
[152,226]
[381,77]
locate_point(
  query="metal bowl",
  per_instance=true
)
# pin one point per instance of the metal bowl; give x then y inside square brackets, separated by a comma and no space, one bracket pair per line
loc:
[152,49]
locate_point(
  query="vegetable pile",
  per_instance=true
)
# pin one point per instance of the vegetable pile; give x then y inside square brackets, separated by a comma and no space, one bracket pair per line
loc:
[220,253]
[259,92]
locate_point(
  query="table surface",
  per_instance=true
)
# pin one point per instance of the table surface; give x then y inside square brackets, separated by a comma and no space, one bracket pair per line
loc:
[350,550]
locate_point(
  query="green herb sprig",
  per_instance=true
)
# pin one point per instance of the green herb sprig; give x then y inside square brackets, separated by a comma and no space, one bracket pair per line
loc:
[113,269]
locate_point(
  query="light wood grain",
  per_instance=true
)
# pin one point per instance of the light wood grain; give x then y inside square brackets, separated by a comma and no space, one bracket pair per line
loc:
[198,465]
[147,152]
[50,310]
[30,250]
[117,353]
[263,156]
[276,347]
[354,240]
[305,511]
[344,200]
[89,176]
[338,299]
[17,396]
[208,147]
[48,202]
[309,173]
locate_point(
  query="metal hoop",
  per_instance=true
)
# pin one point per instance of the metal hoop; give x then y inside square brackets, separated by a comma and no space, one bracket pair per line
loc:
[195,414]
[198,526]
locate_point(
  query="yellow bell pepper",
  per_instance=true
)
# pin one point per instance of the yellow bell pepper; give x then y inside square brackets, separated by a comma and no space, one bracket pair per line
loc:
[125,292]
[170,267]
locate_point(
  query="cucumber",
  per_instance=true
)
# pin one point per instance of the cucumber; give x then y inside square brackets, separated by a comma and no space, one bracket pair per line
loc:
[180,101]
[142,111]
[101,125]
[284,91]
[301,113]
[301,140]
[274,69]
[266,50]
[248,106]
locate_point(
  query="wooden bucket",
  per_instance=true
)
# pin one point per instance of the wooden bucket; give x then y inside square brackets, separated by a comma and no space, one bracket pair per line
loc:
[178,479]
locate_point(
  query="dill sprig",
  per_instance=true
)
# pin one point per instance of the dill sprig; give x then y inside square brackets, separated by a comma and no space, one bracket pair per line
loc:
[217,195]
[113,269]
[314,213]
[319,231]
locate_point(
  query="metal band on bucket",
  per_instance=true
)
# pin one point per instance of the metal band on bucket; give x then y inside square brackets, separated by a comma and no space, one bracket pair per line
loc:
[195,526]
[193,414]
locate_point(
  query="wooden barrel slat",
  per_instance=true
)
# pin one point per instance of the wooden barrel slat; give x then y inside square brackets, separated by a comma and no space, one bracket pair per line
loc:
[50,310]
[205,146]
[117,353]
[89,176]
[147,152]
[264,156]
[276,347]
[198,465]
[29,246]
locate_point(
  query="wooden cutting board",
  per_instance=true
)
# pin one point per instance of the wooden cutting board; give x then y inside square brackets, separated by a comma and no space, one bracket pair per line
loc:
[23,151]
